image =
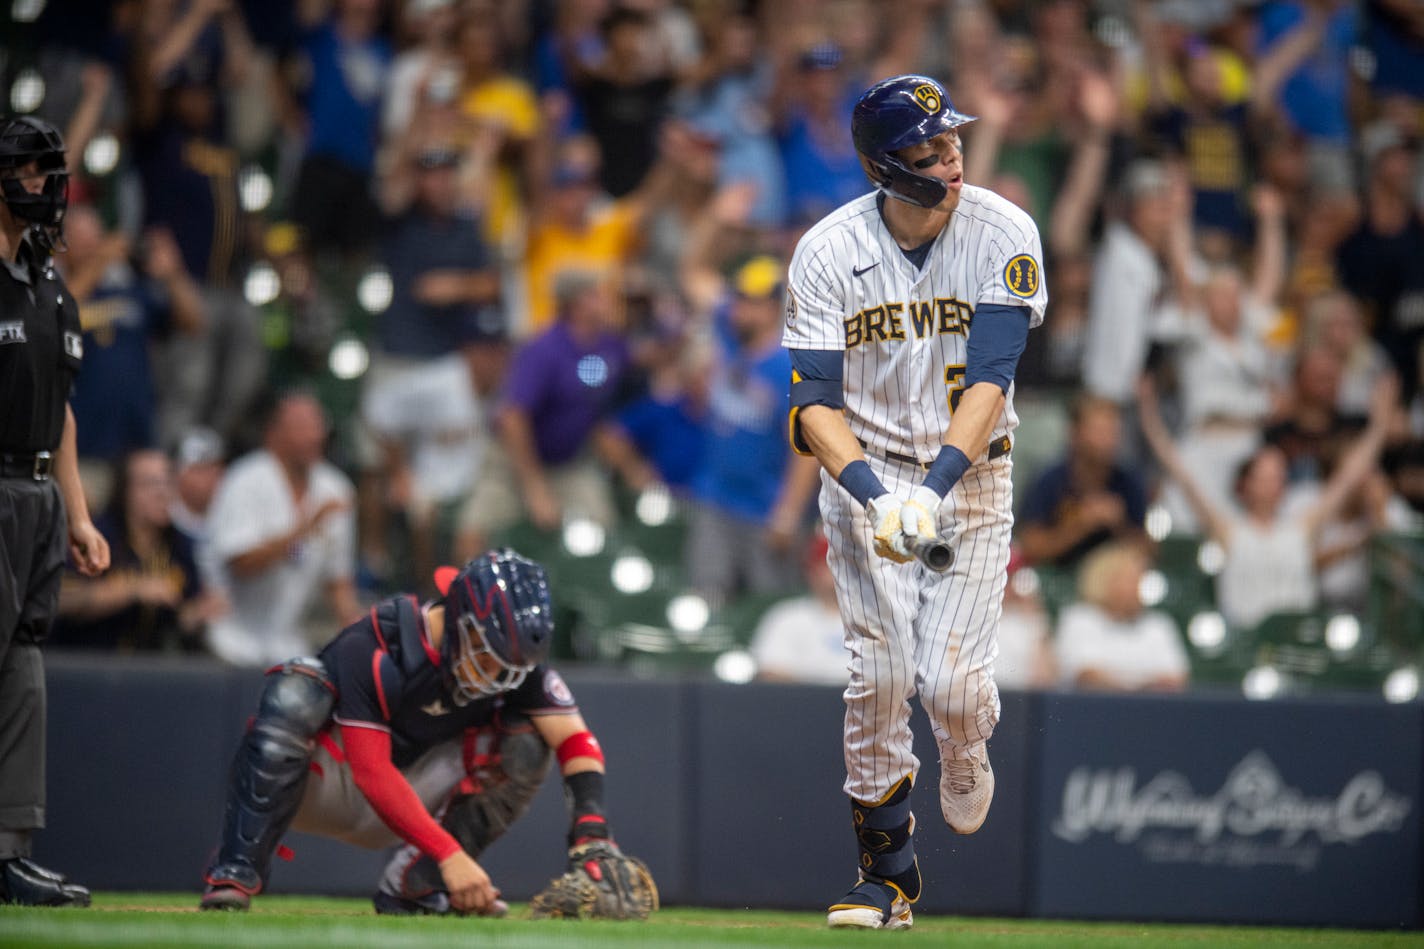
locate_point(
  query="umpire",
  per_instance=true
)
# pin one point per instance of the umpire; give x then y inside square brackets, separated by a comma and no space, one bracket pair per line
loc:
[40,351]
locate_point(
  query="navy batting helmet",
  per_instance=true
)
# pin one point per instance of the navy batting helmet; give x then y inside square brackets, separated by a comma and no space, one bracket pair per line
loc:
[499,624]
[897,113]
[25,139]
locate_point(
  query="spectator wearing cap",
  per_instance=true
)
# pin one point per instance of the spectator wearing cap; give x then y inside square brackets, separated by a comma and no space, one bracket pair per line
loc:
[752,493]
[575,227]
[199,460]
[440,343]
[822,167]
[554,441]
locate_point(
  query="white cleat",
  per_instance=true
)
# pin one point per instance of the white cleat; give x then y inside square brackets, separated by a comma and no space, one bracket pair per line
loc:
[861,909]
[966,789]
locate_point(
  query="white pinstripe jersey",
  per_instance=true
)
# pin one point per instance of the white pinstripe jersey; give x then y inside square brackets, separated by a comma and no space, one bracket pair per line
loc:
[905,332]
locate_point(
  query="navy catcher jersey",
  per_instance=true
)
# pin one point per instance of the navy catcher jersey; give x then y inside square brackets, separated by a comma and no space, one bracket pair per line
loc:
[387,675]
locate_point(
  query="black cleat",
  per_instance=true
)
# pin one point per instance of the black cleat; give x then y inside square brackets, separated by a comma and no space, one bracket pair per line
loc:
[226,898]
[435,903]
[231,886]
[432,904]
[25,883]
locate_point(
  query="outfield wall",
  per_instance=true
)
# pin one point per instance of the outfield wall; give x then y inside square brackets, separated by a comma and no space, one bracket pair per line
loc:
[1202,808]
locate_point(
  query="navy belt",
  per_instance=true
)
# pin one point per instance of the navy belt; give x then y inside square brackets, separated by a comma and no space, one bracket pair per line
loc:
[998,448]
[35,465]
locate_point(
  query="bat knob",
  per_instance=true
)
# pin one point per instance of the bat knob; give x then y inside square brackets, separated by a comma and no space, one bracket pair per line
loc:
[934,554]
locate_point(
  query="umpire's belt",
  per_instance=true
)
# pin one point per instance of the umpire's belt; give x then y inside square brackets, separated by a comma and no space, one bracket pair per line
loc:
[35,465]
[998,448]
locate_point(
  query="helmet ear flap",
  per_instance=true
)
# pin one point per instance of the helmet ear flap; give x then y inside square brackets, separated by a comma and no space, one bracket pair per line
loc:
[910,186]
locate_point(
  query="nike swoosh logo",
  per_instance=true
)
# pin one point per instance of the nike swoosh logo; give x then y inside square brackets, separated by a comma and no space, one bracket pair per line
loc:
[857,271]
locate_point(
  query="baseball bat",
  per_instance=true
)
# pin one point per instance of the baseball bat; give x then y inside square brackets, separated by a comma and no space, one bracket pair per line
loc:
[932,552]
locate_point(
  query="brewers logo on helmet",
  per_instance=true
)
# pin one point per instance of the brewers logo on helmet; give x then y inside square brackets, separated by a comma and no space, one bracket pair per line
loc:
[895,114]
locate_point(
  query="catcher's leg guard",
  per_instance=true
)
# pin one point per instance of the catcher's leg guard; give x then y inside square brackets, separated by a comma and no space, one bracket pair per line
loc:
[507,763]
[269,773]
[889,879]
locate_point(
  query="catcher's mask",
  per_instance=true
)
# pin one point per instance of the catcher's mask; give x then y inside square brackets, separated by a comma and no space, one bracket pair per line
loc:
[898,113]
[498,623]
[25,140]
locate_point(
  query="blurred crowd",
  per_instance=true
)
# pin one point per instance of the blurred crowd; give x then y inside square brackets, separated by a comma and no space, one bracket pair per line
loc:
[365,283]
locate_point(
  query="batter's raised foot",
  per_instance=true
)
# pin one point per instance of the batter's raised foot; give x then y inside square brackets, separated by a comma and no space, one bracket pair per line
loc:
[966,789]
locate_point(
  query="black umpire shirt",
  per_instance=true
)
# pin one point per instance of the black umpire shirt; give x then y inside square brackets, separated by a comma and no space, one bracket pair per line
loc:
[40,350]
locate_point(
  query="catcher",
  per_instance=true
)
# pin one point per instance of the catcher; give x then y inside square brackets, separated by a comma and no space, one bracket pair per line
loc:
[428,726]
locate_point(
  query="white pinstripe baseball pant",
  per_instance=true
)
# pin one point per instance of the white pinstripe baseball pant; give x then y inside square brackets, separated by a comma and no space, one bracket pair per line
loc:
[911,631]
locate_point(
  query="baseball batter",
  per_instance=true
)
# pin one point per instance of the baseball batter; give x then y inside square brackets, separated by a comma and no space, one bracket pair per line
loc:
[906,313]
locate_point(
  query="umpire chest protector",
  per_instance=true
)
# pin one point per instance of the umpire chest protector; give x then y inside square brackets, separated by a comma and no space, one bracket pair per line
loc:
[40,352]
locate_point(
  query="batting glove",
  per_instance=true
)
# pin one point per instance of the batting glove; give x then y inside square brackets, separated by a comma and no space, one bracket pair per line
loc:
[919,515]
[884,513]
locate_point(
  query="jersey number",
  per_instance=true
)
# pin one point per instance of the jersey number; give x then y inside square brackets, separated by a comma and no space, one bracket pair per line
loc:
[954,378]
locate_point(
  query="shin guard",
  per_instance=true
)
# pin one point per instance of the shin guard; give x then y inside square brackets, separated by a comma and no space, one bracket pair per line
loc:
[269,772]
[885,833]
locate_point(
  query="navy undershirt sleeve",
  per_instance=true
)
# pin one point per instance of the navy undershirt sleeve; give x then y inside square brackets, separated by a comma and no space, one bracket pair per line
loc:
[996,341]
[818,378]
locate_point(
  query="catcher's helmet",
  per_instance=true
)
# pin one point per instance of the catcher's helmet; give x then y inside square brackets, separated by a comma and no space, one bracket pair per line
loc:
[496,606]
[25,139]
[897,113]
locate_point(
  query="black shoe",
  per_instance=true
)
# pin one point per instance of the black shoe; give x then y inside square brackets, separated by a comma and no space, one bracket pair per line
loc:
[231,886]
[225,898]
[26,883]
[436,903]
[432,904]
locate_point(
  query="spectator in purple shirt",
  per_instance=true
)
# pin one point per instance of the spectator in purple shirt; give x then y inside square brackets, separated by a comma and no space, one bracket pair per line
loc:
[555,441]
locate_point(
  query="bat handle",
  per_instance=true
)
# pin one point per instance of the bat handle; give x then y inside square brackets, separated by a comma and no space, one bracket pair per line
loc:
[933,552]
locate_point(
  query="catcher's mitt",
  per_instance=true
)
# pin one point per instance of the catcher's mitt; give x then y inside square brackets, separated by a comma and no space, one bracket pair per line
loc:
[600,883]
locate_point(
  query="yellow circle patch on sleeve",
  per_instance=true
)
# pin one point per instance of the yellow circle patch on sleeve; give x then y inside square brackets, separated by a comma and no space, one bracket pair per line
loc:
[1021,276]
